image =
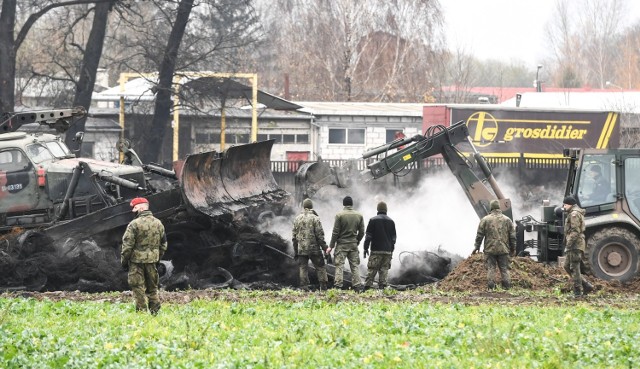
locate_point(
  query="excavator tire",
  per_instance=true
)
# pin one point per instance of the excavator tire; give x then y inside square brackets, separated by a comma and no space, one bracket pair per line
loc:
[238,179]
[613,254]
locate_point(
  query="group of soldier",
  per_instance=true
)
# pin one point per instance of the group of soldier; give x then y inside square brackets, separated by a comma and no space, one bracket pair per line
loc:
[348,230]
[496,231]
[144,243]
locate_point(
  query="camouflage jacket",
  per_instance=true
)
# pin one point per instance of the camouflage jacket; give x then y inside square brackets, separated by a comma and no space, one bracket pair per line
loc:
[348,228]
[574,229]
[498,233]
[144,241]
[308,233]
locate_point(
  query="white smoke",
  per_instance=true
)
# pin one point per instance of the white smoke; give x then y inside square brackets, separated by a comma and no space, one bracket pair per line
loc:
[435,215]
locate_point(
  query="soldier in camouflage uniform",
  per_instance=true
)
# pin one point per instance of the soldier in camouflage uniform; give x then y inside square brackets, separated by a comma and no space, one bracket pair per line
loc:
[381,235]
[575,245]
[348,231]
[499,236]
[309,244]
[143,245]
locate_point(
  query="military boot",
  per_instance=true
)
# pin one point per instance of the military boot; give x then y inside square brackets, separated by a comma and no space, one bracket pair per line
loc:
[577,292]
[587,287]
[323,286]
[491,285]
[506,285]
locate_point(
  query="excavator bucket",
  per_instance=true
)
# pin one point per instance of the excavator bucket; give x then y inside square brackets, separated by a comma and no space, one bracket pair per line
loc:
[238,179]
[310,177]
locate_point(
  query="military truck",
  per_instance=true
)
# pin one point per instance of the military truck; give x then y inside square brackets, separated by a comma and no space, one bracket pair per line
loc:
[44,185]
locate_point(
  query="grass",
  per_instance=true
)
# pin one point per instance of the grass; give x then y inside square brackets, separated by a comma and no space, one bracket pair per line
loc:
[319,331]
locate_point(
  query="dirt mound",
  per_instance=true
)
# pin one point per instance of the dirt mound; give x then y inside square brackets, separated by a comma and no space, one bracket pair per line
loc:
[471,275]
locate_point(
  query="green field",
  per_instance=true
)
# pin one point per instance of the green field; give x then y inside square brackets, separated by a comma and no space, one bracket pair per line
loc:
[290,329]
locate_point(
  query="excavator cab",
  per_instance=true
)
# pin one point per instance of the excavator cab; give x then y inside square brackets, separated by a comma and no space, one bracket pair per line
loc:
[606,184]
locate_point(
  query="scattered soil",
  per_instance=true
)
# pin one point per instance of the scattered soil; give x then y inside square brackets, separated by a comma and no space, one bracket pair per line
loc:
[470,275]
[466,284]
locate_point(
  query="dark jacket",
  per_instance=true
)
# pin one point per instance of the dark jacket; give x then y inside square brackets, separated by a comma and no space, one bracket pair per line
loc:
[380,234]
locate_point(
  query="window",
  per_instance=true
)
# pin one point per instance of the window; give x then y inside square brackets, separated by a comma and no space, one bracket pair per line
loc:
[236,138]
[242,138]
[632,184]
[12,160]
[302,139]
[284,138]
[597,182]
[202,138]
[353,136]
[58,150]
[394,134]
[38,153]
[337,136]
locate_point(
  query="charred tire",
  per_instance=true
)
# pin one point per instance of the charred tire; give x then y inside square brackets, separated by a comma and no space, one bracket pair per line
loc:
[613,254]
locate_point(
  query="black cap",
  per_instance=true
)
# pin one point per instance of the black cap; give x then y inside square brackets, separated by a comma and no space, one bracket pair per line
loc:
[347,201]
[569,200]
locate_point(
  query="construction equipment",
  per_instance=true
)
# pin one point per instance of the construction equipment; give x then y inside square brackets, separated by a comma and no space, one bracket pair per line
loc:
[46,188]
[471,171]
[606,183]
[612,217]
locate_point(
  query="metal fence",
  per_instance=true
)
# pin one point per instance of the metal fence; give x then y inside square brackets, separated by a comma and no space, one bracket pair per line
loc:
[284,166]
[525,170]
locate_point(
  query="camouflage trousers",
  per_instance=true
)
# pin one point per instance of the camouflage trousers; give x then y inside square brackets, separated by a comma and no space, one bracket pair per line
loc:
[348,252]
[318,262]
[378,264]
[574,266]
[143,281]
[501,262]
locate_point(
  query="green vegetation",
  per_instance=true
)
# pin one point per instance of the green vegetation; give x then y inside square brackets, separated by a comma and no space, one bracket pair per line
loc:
[333,330]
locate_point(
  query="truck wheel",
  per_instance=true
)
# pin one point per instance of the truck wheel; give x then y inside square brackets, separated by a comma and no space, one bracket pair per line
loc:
[613,254]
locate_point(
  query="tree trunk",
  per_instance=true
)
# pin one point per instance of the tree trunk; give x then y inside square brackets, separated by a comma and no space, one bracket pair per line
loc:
[89,67]
[7,56]
[156,130]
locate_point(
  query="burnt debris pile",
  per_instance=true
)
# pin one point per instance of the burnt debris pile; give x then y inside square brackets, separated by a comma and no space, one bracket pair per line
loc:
[30,261]
[423,267]
[234,255]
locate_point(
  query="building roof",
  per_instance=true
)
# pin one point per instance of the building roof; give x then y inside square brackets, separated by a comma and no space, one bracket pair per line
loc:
[623,101]
[142,89]
[361,108]
[503,94]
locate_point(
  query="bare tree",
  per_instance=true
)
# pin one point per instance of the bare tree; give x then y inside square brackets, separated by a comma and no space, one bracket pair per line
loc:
[174,36]
[10,42]
[584,41]
[352,50]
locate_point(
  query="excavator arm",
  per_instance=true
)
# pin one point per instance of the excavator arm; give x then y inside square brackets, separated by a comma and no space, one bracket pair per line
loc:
[476,179]
[58,119]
